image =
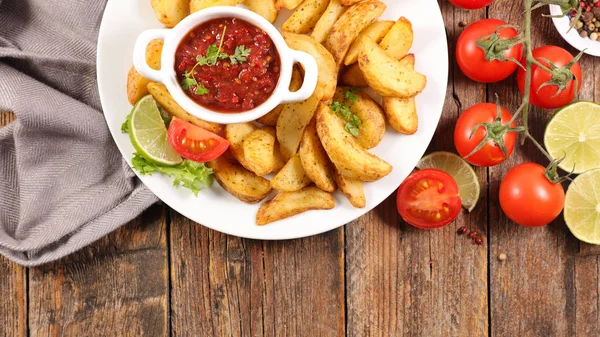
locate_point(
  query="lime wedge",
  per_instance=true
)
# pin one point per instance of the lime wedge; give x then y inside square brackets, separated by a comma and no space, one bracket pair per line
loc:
[148,133]
[582,207]
[460,170]
[574,132]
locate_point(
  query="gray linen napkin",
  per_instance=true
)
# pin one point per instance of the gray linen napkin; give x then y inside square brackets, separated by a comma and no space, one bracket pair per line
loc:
[63,183]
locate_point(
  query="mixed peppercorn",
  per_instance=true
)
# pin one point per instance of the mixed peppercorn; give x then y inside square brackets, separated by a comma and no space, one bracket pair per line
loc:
[588,25]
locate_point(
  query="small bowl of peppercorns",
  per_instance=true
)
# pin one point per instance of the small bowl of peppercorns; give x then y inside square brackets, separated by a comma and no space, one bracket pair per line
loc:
[585,34]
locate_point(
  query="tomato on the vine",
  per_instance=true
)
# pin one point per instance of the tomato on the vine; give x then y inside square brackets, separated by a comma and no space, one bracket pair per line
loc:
[428,199]
[194,143]
[490,154]
[547,96]
[471,4]
[472,59]
[528,198]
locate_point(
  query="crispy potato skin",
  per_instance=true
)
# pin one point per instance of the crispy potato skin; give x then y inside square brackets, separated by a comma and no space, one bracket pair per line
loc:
[196,5]
[350,24]
[401,114]
[334,10]
[239,182]
[328,71]
[170,12]
[314,159]
[137,85]
[350,2]
[373,126]
[375,31]
[399,39]
[353,77]
[270,119]
[235,134]
[292,176]
[288,204]
[265,8]
[291,123]
[305,17]
[259,151]
[288,4]
[352,190]
[347,155]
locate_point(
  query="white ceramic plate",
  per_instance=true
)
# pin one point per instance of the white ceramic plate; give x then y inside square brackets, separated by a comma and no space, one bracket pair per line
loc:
[123,21]
[572,37]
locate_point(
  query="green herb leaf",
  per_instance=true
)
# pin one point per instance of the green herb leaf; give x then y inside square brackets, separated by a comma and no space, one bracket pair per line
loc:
[188,82]
[201,90]
[353,122]
[125,125]
[352,129]
[351,94]
[240,55]
[189,174]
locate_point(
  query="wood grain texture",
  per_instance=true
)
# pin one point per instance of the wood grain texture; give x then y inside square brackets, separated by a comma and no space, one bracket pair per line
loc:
[118,286]
[227,286]
[402,281]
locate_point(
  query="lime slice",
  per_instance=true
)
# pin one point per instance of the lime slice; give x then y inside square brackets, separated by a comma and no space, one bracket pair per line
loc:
[460,170]
[582,207]
[574,132]
[148,133]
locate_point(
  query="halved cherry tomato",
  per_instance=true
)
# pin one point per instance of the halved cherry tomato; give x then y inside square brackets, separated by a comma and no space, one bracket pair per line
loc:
[428,199]
[195,143]
[471,4]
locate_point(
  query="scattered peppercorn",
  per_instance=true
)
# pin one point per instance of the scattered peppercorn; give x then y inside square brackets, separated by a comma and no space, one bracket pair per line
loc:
[473,234]
[478,240]
[461,230]
[462,24]
[588,25]
[502,257]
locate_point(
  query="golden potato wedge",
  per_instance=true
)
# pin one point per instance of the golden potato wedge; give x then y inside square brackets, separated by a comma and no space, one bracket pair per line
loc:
[170,12]
[334,10]
[401,114]
[388,76]
[270,119]
[375,31]
[235,134]
[314,159]
[278,159]
[196,5]
[350,24]
[259,151]
[288,204]
[353,77]
[305,16]
[352,189]
[165,100]
[399,39]
[291,123]
[137,85]
[288,4]
[264,8]
[328,72]
[291,177]
[239,182]
[351,159]
[372,127]
[350,2]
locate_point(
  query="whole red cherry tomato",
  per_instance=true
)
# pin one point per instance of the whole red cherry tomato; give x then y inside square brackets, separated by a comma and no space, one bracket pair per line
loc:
[546,97]
[471,4]
[528,198]
[471,58]
[490,154]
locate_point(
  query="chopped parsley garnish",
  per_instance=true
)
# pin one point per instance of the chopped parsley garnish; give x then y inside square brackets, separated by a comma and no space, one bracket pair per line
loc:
[342,110]
[212,57]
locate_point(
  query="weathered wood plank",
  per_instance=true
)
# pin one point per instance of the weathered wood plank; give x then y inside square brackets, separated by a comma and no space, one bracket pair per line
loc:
[543,288]
[117,286]
[227,286]
[402,281]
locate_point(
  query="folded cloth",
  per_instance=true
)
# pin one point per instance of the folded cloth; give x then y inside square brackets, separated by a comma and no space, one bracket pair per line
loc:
[63,183]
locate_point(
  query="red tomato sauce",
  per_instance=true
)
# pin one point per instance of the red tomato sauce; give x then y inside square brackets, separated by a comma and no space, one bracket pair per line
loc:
[230,87]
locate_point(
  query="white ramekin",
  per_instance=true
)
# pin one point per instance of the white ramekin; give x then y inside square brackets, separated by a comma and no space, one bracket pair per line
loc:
[167,75]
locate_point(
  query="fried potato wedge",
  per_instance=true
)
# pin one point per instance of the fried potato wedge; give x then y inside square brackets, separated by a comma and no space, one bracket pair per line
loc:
[165,100]
[170,12]
[401,114]
[288,204]
[305,17]
[235,134]
[241,183]
[292,176]
[351,159]
[350,2]
[352,189]
[314,159]
[288,4]
[137,85]
[328,72]
[372,127]
[334,10]
[375,31]
[291,124]
[353,77]
[196,5]
[264,8]
[399,39]
[350,24]
[388,76]
[259,151]
[270,119]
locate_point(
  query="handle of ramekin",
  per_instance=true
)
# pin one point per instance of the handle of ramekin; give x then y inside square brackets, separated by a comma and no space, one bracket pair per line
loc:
[139,54]
[311,73]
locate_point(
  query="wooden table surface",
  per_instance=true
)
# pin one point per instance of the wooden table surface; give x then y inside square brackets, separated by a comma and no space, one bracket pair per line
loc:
[163,275]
